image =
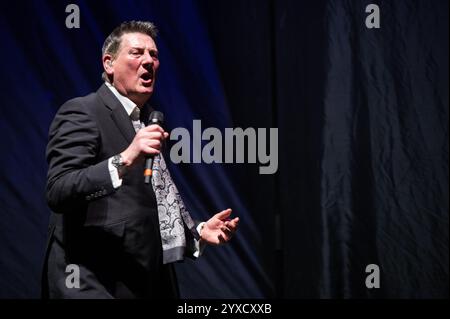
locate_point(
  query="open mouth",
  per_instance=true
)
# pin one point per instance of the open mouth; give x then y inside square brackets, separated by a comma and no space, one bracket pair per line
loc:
[147,76]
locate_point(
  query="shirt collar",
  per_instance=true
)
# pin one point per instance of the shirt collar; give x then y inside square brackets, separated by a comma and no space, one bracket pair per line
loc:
[126,102]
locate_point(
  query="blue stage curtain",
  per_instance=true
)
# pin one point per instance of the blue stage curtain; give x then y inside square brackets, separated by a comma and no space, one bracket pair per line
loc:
[363,137]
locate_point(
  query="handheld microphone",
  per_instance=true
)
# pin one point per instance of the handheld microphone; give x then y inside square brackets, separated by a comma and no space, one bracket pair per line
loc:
[155,117]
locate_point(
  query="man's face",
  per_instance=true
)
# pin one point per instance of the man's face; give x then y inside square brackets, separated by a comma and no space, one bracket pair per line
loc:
[134,67]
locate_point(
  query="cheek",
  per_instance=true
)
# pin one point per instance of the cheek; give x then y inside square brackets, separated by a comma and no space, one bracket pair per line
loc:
[156,66]
[133,67]
[129,68]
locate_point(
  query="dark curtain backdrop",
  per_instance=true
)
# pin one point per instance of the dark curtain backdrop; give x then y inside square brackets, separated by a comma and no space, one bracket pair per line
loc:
[363,137]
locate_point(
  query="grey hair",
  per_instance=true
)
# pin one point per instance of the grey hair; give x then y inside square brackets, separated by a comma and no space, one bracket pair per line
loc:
[113,41]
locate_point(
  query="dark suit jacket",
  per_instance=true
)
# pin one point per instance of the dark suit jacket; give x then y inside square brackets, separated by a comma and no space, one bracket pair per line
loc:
[112,235]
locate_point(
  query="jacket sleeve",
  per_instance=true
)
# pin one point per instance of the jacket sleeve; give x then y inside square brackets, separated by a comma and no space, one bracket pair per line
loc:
[74,172]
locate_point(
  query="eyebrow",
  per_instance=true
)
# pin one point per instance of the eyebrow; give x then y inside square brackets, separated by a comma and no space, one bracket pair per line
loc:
[143,48]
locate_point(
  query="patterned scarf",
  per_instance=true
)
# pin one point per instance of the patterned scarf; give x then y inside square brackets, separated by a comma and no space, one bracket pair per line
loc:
[173,216]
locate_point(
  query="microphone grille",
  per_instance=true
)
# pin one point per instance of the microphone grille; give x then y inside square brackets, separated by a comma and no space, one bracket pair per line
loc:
[156,117]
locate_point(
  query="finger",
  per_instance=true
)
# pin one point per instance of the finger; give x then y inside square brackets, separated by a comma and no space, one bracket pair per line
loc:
[232,223]
[153,128]
[166,135]
[221,239]
[155,135]
[227,231]
[232,227]
[156,144]
[150,150]
[149,135]
[223,214]
[226,236]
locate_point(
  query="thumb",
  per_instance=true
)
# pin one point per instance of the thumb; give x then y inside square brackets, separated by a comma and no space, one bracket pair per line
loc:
[223,214]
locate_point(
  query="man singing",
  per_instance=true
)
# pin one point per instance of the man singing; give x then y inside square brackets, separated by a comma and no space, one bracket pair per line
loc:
[121,234]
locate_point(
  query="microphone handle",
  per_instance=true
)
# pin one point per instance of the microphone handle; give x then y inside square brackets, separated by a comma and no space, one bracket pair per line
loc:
[148,169]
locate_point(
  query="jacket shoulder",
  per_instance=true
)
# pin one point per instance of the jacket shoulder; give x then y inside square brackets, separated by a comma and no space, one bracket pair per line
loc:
[86,103]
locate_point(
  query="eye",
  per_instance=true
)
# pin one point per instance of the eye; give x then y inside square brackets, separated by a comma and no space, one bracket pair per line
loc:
[154,54]
[136,53]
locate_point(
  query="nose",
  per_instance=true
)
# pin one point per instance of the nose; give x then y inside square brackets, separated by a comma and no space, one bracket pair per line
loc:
[148,60]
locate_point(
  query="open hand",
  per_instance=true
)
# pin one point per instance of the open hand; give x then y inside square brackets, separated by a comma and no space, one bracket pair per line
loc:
[219,229]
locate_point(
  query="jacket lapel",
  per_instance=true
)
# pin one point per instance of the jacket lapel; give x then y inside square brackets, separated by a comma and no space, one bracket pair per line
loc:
[118,113]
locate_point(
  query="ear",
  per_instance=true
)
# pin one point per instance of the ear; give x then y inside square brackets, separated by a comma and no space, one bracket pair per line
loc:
[108,64]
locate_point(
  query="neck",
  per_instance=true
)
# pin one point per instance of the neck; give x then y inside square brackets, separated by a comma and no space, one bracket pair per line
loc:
[138,99]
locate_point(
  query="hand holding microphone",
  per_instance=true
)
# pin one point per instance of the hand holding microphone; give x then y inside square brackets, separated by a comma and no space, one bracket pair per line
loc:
[146,144]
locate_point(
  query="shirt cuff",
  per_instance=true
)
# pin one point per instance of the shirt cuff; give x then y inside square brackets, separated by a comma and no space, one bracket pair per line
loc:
[199,244]
[115,179]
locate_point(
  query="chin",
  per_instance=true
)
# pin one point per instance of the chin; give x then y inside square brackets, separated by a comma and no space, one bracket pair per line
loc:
[147,92]
[147,88]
